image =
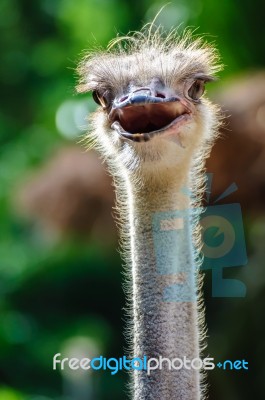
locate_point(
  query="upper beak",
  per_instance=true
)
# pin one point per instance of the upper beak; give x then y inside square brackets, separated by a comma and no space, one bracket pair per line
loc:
[143,96]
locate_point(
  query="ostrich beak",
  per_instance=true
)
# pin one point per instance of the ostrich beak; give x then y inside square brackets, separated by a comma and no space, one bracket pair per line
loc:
[142,114]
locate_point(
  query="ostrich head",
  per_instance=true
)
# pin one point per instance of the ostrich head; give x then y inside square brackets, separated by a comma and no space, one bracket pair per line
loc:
[152,113]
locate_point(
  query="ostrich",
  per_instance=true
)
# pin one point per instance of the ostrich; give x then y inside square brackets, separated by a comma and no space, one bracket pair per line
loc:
[155,128]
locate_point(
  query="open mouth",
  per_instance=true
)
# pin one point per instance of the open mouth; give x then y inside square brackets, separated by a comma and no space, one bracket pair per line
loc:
[142,117]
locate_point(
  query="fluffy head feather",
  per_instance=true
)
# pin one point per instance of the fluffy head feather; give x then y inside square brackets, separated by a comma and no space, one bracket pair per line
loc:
[145,54]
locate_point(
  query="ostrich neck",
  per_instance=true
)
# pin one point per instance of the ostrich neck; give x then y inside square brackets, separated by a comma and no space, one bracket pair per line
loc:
[163,288]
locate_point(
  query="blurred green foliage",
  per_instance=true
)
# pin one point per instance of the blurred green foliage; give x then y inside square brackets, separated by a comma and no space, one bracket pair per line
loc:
[50,293]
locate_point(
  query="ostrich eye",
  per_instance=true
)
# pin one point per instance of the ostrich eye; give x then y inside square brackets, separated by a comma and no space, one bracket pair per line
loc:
[101,99]
[196,90]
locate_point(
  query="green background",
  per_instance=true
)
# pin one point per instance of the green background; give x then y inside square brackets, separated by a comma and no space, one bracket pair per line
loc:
[54,295]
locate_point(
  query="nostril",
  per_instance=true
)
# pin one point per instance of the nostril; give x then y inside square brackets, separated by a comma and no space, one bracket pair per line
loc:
[161,95]
[123,98]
